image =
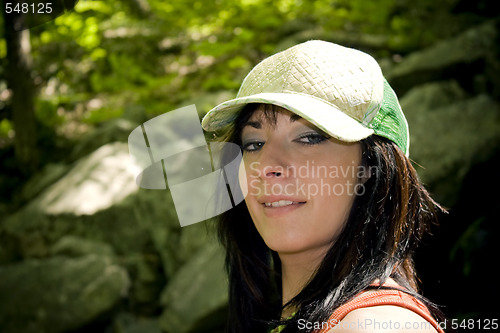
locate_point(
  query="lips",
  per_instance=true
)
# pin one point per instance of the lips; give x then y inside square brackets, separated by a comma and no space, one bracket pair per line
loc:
[275,207]
[281,203]
[276,202]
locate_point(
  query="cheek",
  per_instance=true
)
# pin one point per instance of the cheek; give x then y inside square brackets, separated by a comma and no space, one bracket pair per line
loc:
[248,175]
[331,213]
[331,201]
[242,179]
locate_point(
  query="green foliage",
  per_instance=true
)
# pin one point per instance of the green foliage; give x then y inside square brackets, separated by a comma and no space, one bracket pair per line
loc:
[155,55]
[46,113]
[5,128]
[158,54]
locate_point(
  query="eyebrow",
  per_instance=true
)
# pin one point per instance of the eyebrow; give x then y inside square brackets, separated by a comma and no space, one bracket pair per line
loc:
[254,124]
[258,124]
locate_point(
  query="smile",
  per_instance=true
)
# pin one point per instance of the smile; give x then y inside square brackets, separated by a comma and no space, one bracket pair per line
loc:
[281,203]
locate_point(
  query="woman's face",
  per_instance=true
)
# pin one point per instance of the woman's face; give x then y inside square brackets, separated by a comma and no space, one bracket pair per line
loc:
[301,183]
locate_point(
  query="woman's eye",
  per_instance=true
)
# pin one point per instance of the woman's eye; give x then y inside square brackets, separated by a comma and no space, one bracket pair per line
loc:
[312,138]
[252,146]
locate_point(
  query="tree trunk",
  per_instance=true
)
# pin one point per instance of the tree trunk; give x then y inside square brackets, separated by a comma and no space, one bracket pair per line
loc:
[20,81]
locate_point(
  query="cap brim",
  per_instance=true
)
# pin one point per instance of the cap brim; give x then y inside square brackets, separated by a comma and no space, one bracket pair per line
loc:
[324,115]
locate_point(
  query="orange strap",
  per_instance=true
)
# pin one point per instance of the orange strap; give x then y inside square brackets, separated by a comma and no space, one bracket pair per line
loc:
[382,297]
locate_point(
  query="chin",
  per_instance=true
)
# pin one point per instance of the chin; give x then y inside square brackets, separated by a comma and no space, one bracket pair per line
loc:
[289,245]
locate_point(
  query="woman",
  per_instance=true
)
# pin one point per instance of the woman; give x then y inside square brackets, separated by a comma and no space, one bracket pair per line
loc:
[333,209]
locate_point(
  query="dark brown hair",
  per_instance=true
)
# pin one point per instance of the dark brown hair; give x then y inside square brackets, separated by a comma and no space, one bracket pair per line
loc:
[385,225]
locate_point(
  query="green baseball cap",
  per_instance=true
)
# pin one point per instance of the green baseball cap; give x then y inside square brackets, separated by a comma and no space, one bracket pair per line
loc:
[340,90]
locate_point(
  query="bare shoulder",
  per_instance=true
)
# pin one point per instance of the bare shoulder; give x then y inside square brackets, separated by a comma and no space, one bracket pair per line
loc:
[383,318]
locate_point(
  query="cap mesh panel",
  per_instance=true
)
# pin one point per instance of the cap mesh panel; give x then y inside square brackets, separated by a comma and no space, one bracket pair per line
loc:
[390,121]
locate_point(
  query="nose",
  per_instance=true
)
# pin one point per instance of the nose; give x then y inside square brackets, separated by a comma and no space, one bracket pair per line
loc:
[273,161]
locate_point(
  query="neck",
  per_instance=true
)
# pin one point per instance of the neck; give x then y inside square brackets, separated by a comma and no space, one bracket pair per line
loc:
[297,270]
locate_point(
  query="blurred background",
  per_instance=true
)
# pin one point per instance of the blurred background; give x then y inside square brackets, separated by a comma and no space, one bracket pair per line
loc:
[82,249]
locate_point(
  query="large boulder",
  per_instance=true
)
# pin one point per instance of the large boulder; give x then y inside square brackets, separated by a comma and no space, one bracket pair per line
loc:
[90,200]
[471,58]
[128,323]
[196,298]
[59,294]
[449,134]
[450,94]
[93,207]
[73,246]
